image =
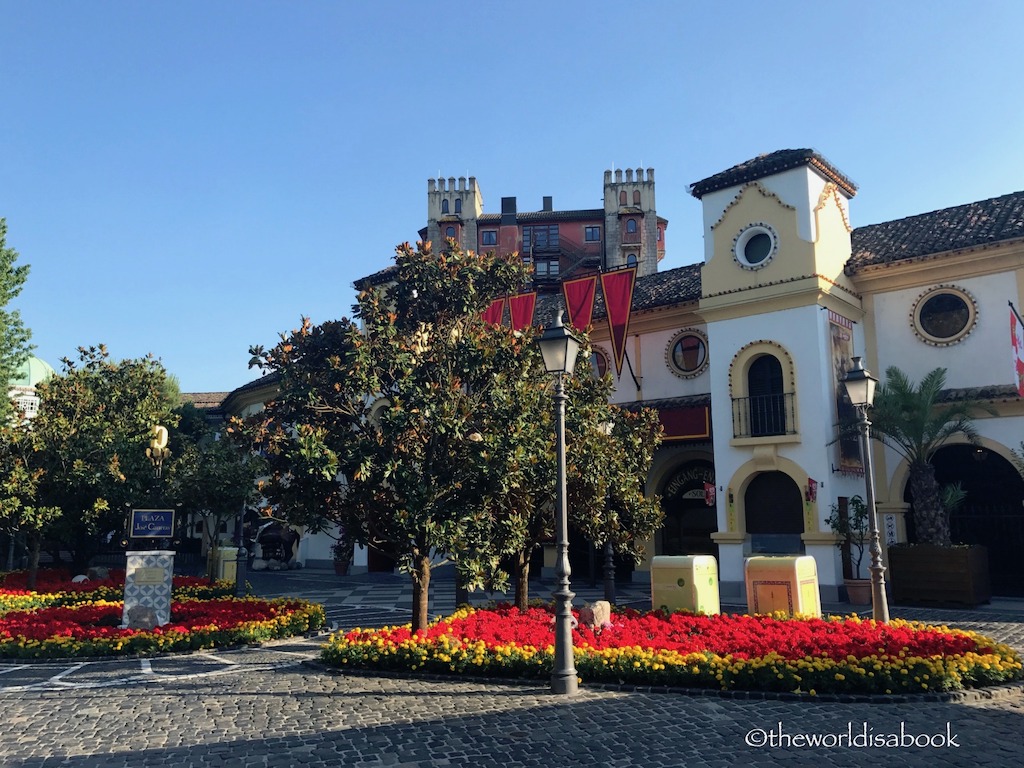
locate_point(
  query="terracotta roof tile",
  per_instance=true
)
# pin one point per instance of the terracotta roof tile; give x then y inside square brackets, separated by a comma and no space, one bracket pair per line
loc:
[950,229]
[771,163]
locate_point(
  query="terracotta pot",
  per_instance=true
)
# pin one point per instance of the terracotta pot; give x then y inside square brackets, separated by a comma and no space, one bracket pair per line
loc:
[858,591]
[341,568]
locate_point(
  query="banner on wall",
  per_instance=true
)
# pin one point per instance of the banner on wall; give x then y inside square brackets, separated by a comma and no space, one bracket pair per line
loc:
[579,295]
[841,335]
[494,313]
[617,288]
[1017,348]
[520,309]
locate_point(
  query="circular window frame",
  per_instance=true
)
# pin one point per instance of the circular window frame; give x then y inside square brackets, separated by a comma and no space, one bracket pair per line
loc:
[938,290]
[747,234]
[602,355]
[670,358]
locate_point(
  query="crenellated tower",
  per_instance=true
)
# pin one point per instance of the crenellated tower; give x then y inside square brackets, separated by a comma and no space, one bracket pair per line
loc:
[632,230]
[453,210]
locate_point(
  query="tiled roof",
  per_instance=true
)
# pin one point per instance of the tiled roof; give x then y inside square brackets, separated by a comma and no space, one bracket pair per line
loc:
[949,229]
[528,216]
[979,394]
[204,400]
[686,401]
[771,163]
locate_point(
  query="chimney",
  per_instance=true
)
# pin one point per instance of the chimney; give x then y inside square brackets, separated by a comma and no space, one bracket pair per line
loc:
[508,211]
[547,204]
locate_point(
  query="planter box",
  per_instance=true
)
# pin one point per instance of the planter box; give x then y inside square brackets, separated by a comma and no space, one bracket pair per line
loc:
[928,575]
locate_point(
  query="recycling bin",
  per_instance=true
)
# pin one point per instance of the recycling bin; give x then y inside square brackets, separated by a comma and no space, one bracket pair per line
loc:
[787,584]
[685,583]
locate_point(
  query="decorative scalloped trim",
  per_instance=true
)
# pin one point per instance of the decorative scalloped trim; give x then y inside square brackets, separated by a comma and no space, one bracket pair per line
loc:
[932,341]
[784,358]
[763,228]
[764,193]
[827,279]
[831,190]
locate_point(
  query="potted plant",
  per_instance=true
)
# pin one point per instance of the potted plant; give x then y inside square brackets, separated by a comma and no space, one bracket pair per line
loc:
[851,526]
[916,420]
[341,551]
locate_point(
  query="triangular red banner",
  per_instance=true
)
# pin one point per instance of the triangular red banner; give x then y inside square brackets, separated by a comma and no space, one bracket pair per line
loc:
[520,308]
[617,288]
[494,313]
[579,300]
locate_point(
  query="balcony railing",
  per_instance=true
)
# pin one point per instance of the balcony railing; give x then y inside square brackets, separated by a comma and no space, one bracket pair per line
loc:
[763,415]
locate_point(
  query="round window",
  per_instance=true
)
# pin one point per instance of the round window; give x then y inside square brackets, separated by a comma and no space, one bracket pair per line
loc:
[687,354]
[755,246]
[944,315]
[598,363]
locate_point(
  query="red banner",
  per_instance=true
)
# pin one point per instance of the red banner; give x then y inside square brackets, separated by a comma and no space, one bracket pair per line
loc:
[494,313]
[520,308]
[709,494]
[579,300]
[617,288]
[1017,343]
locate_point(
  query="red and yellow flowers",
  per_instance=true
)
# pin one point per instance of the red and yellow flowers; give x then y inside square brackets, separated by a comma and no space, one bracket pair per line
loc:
[728,652]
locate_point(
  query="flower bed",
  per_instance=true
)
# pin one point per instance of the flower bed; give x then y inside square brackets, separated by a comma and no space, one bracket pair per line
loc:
[93,629]
[759,653]
[55,587]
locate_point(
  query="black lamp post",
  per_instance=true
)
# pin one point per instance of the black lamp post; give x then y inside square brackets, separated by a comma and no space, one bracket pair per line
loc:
[559,348]
[860,387]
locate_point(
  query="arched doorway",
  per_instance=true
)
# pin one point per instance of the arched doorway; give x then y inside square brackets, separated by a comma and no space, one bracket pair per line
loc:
[689,519]
[774,514]
[992,513]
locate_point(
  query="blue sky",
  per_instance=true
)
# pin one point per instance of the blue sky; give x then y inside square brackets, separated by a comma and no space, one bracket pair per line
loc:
[190,178]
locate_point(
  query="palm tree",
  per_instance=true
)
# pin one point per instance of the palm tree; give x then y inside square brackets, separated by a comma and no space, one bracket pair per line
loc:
[910,419]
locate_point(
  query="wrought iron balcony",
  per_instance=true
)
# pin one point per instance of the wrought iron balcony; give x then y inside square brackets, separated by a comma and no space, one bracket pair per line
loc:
[763,415]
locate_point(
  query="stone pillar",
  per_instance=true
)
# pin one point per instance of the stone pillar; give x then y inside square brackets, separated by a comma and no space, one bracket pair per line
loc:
[147,589]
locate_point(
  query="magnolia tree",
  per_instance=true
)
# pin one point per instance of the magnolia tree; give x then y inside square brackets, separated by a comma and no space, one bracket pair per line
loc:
[81,460]
[422,431]
[14,337]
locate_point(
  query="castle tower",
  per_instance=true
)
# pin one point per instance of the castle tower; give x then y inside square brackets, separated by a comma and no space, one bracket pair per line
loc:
[632,230]
[453,210]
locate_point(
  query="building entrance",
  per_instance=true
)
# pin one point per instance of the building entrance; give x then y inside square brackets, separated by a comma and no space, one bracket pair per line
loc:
[689,518]
[774,515]
[992,513]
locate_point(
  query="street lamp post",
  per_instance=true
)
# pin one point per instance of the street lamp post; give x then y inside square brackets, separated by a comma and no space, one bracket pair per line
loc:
[860,386]
[559,349]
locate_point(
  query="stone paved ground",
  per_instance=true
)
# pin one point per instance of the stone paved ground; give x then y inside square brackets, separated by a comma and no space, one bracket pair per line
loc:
[264,707]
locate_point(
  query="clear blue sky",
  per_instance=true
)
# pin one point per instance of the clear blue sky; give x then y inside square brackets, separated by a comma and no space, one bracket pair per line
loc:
[190,178]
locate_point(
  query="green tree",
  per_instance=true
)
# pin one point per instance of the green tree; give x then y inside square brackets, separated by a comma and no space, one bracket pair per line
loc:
[14,337]
[88,446]
[210,477]
[912,420]
[20,511]
[423,431]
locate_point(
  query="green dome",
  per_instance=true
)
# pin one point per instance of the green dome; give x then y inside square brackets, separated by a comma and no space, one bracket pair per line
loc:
[31,372]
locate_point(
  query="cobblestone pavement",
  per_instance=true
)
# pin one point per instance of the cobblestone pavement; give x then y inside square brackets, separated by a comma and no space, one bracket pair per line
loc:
[264,707]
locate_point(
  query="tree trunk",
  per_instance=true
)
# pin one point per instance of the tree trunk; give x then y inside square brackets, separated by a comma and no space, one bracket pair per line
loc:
[931,524]
[522,580]
[420,592]
[34,545]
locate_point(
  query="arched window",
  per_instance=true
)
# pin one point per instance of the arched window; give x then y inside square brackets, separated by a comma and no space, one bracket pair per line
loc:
[449,232]
[630,226]
[631,260]
[622,197]
[458,206]
[444,206]
[766,396]
[636,197]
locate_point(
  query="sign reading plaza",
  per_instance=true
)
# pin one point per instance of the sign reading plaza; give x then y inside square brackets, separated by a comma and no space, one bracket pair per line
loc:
[152,524]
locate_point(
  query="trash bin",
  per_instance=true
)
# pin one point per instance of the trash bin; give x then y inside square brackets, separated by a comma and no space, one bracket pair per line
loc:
[685,583]
[222,563]
[788,584]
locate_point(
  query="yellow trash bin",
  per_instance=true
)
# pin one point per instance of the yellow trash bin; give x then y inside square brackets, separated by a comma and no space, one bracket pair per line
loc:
[223,563]
[685,583]
[788,584]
